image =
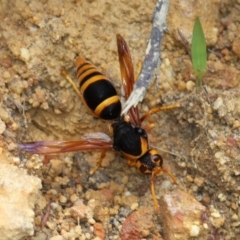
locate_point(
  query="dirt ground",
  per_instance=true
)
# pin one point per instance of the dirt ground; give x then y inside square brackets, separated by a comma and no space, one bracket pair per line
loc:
[199,142]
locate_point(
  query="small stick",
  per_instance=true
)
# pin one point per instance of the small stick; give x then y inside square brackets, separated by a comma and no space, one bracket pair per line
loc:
[46,215]
[152,57]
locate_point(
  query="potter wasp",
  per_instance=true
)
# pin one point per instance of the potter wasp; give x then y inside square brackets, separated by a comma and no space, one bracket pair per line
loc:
[128,137]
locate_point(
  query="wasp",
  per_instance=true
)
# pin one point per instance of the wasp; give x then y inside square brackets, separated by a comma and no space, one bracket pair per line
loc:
[128,136]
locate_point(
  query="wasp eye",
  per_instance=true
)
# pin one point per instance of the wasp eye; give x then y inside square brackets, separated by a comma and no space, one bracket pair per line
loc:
[157,159]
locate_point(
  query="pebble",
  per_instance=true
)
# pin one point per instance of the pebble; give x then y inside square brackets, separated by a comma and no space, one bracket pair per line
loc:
[91,221]
[236,224]
[222,197]
[189,178]
[16,160]
[235,217]
[218,103]
[125,180]
[194,188]
[215,214]
[51,225]
[217,222]
[190,85]
[181,85]
[11,146]
[134,206]
[62,199]
[205,225]
[87,235]
[74,198]
[199,181]
[234,206]
[194,231]
[235,46]
[236,124]
[4,115]
[2,127]
[6,75]
[24,54]
[182,164]
[127,193]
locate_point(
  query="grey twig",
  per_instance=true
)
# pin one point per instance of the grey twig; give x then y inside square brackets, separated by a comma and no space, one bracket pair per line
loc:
[152,57]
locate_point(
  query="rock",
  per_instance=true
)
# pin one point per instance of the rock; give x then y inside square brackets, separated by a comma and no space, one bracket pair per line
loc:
[137,225]
[182,216]
[99,230]
[19,194]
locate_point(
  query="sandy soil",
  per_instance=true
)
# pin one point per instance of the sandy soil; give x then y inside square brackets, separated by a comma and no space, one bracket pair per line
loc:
[199,142]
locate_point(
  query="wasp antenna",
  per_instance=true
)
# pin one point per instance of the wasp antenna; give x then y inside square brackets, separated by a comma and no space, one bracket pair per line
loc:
[170,175]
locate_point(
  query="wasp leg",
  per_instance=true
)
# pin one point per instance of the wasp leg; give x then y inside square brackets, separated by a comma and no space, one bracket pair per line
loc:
[98,163]
[154,173]
[64,73]
[158,109]
[153,193]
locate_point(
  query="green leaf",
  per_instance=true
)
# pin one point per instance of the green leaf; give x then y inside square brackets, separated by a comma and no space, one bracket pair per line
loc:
[199,51]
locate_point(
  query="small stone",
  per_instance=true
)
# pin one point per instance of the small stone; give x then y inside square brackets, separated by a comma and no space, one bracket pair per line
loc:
[99,230]
[216,215]
[181,85]
[134,206]
[2,127]
[125,180]
[190,85]
[87,235]
[235,217]
[80,211]
[222,197]
[62,199]
[236,124]
[4,115]
[189,178]
[11,146]
[74,198]
[205,225]
[24,54]
[236,47]
[218,103]
[199,181]
[234,206]
[217,222]
[194,231]
[91,221]
[6,75]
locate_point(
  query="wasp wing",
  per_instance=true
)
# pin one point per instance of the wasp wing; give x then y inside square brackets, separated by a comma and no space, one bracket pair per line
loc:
[127,74]
[53,147]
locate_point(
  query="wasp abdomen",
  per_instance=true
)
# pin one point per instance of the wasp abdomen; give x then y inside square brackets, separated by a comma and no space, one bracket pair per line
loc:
[98,92]
[130,141]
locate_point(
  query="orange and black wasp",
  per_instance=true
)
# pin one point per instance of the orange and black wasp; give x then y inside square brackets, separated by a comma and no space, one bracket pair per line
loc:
[128,137]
